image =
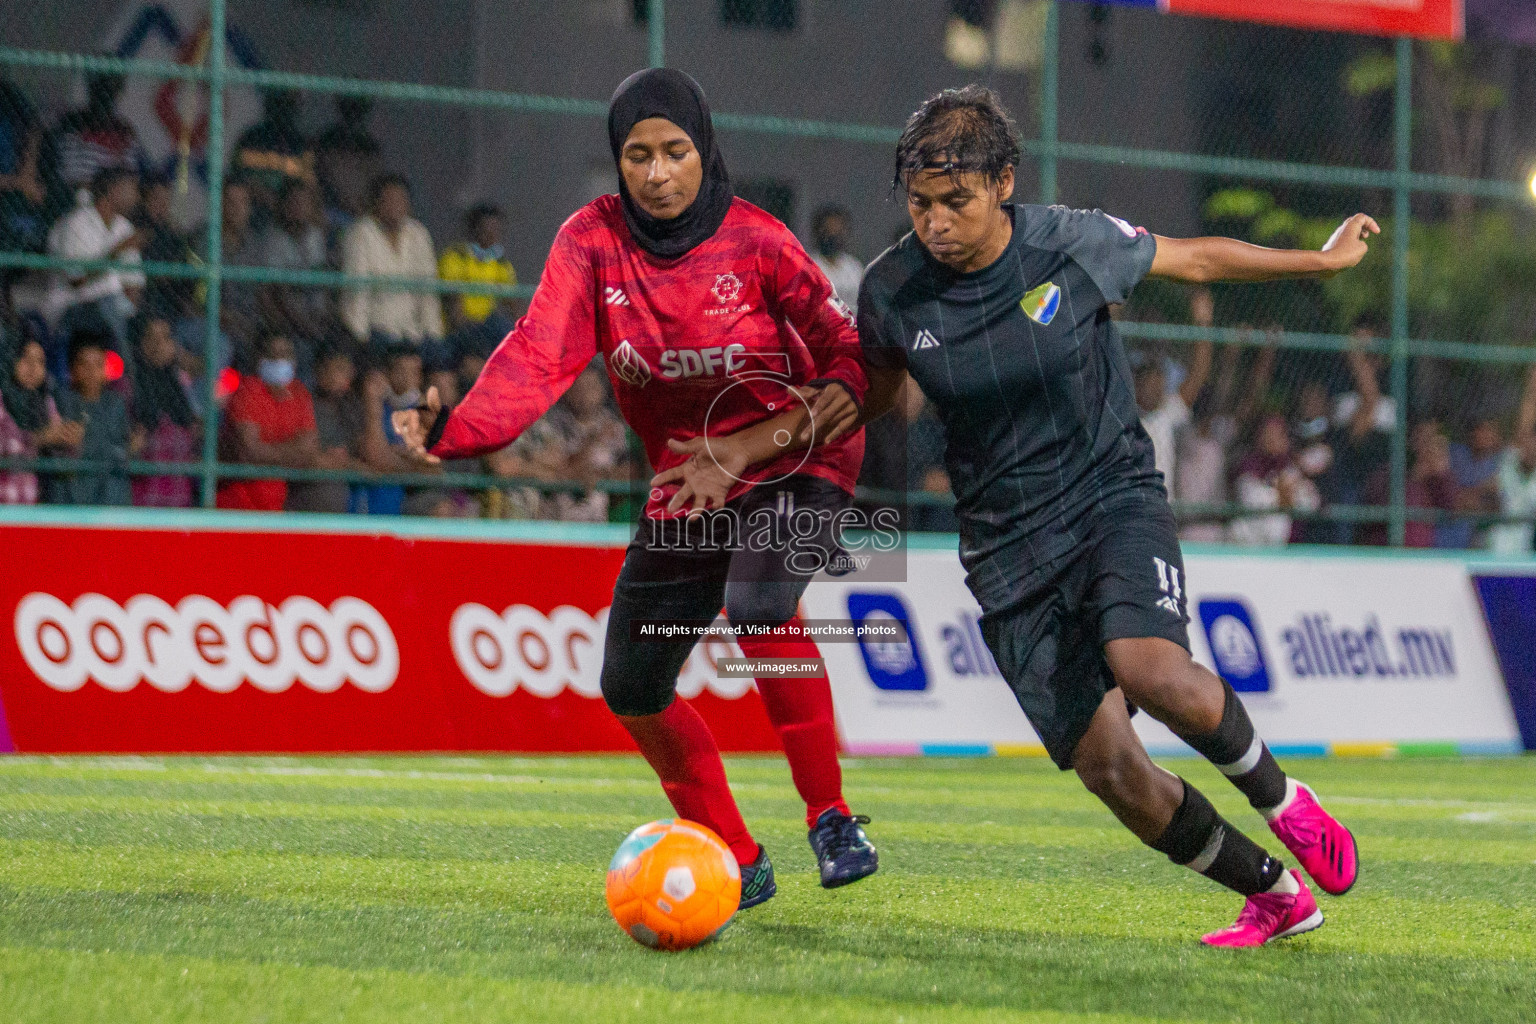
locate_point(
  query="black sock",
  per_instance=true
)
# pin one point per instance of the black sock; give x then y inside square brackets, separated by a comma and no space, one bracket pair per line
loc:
[1238,753]
[1201,840]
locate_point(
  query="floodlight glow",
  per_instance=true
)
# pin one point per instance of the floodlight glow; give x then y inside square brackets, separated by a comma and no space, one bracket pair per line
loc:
[1533,184]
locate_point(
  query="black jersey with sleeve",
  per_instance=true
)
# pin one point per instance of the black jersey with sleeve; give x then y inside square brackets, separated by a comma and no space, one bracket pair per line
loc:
[1029,377]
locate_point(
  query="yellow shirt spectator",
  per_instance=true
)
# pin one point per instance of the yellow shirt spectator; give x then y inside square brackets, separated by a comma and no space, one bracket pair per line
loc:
[470,262]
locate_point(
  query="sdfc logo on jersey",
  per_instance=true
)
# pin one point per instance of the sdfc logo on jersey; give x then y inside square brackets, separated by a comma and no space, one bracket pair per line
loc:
[1234,643]
[629,365]
[727,288]
[1041,304]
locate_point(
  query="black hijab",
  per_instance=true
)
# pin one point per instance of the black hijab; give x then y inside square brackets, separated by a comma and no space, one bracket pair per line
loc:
[27,407]
[663,92]
[157,391]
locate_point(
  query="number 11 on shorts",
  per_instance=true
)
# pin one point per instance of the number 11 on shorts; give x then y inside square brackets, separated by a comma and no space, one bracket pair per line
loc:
[1168,583]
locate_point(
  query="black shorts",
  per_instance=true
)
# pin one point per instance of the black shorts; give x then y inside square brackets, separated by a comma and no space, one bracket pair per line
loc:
[784,534]
[1125,580]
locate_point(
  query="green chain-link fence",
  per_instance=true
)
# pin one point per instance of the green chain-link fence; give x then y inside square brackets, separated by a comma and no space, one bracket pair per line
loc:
[1251,174]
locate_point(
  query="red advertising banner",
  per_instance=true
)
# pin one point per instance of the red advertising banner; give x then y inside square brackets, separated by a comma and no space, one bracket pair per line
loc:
[1426,19]
[163,640]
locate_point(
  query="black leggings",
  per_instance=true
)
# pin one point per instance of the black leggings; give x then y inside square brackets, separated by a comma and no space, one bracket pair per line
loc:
[755,558]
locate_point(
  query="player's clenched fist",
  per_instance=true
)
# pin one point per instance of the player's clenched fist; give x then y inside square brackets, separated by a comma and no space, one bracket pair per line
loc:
[413,426]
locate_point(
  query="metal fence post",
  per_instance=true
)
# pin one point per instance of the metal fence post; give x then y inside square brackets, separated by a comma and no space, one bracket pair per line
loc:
[656,25]
[1402,227]
[215,246]
[1049,105]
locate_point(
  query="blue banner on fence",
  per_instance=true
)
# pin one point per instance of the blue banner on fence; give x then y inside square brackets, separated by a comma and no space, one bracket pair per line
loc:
[1509,604]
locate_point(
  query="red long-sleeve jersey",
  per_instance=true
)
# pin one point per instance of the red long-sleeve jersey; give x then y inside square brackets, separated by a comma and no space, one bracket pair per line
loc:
[706,343]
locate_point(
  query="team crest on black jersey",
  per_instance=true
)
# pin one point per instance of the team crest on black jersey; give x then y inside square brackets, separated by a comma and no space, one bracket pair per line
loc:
[1041,304]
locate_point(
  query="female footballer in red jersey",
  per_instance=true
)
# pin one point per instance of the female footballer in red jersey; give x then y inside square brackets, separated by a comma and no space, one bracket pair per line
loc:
[711,319]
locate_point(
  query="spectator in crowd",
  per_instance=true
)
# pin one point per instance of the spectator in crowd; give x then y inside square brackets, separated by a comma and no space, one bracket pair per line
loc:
[831,235]
[295,240]
[1475,470]
[1517,480]
[99,230]
[240,315]
[591,441]
[1218,419]
[404,372]
[106,436]
[1429,486]
[339,424]
[382,449]
[172,298]
[1312,438]
[162,411]
[478,322]
[459,503]
[389,242]
[1269,480]
[273,154]
[24,206]
[537,455]
[94,138]
[18,122]
[29,420]
[1361,436]
[270,420]
[1164,411]
[348,158]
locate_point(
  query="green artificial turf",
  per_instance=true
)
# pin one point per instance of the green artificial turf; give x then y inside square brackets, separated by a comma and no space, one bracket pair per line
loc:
[455,889]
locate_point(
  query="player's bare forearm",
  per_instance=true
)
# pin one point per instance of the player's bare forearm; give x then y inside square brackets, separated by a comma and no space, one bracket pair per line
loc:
[1212,259]
[773,437]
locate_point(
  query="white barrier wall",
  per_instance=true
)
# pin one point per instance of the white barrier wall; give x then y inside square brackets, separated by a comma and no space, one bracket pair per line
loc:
[1325,651]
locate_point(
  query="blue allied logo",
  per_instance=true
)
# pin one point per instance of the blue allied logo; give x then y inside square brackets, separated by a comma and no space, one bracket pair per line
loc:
[895,664]
[1235,644]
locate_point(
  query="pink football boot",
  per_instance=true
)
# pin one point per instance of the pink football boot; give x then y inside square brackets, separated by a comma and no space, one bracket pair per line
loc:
[1270,915]
[1324,848]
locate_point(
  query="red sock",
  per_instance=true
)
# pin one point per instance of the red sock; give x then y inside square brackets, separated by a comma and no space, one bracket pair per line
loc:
[682,751]
[801,713]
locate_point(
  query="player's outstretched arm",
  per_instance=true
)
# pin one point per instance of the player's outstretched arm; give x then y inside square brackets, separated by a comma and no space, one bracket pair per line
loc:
[1208,260]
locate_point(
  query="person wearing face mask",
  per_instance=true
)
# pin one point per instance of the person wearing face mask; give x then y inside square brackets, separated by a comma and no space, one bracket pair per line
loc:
[711,320]
[270,421]
[830,231]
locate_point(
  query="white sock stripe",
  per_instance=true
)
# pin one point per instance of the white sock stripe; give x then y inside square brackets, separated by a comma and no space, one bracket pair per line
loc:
[1207,857]
[1247,763]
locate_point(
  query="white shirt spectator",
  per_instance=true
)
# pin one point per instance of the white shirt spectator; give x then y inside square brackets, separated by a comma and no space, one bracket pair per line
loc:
[1202,469]
[410,316]
[1517,497]
[1383,417]
[846,272]
[82,234]
[1270,530]
[1163,425]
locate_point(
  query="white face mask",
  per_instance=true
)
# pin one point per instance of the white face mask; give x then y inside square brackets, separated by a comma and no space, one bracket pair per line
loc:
[276,372]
